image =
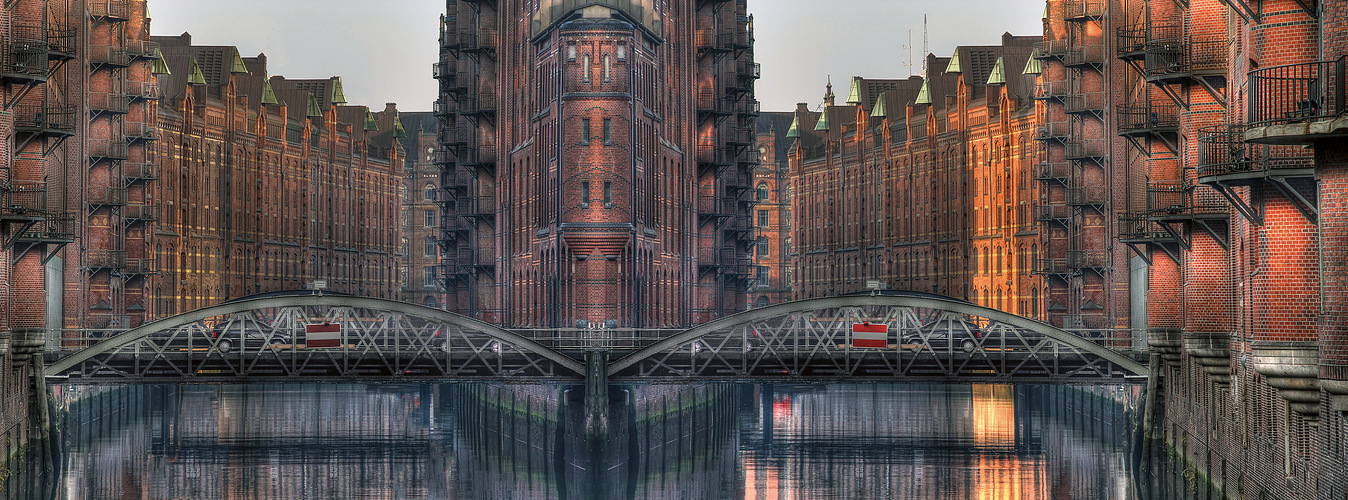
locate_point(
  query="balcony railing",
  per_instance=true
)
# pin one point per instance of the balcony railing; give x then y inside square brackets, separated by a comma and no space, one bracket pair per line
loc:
[1051,90]
[443,156]
[1139,227]
[1051,131]
[481,102]
[1086,259]
[139,266]
[1052,212]
[1182,57]
[140,131]
[717,206]
[1086,195]
[108,148]
[1085,10]
[1083,56]
[138,212]
[1297,93]
[715,103]
[1224,151]
[142,90]
[107,196]
[1084,102]
[109,56]
[1051,48]
[1082,149]
[25,54]
[105,259]
[1175,200]
[115,10]
[46,118]
[478,154]
[54,227]
[1148,118]
[1131,41]
[23,199]
[1052,170]
[1052,267]
[140,171]
[108,102]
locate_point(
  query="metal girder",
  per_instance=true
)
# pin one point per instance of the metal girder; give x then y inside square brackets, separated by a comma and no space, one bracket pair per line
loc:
[264,338]
[928,339]
[1308,208]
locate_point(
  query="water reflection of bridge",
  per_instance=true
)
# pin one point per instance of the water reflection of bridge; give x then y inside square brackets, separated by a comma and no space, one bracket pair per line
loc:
[485,440]
[928,339]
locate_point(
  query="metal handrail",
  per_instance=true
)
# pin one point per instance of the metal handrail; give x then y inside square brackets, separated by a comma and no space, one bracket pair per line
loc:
[1297,93]
[1223,151]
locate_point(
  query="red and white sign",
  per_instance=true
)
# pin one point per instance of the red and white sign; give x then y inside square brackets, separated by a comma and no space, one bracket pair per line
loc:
[870,335]
[323,335]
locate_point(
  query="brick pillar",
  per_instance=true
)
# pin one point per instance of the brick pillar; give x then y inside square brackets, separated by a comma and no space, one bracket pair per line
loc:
[1332,172]
[1165,309]
[1285,303]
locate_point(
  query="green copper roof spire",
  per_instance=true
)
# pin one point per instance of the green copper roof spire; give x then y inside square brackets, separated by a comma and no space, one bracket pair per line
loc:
[954,66]
[398,130]
[238,66]
[879,110]
[998,76]
[337,96]
[794,131]
[160,67]
[855,97]
[314,110]
[268,96]
[370,124]
[194,76]
[924,95]
[1033,66]
[822,124]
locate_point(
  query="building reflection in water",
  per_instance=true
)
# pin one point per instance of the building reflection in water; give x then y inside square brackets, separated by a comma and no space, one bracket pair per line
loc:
[487,441]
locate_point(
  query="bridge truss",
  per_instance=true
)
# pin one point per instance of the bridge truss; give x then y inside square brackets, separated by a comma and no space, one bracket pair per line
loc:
[928,339]
[264,338]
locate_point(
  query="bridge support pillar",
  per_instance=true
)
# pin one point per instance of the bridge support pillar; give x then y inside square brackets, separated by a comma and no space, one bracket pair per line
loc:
[596,393]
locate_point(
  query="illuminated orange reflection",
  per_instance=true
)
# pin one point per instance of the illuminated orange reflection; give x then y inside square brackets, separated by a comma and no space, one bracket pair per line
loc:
[999,474]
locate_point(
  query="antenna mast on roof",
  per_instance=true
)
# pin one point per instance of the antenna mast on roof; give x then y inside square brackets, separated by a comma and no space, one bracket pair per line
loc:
[909,47]
[924,46]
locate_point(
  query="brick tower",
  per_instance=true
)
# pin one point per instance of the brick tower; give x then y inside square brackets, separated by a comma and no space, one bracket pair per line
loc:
[612,188]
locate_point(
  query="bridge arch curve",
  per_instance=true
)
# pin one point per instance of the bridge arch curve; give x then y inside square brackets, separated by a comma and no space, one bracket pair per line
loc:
[1017,326]
[465,325]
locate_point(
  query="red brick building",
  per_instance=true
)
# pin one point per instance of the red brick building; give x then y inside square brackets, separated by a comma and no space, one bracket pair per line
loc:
[924,184]
[420,193]
[773,189]
[267,183]
[613,186]
[1223,161]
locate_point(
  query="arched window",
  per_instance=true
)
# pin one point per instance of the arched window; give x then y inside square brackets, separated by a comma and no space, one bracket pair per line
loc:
[430,192]
[1034,302]
[762,191]
[761,302]
[431,302]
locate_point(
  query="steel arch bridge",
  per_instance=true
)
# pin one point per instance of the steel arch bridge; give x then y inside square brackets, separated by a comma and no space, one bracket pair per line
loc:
[263,338]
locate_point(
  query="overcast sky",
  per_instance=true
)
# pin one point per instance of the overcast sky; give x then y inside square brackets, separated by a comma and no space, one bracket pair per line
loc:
[383,50]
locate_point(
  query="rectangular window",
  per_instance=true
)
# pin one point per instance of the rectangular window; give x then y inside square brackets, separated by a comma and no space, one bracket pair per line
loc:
[429,247]
[584,130]
[585,195]
[430,218]
[761,248]
[762,278]
[608,194]
[585,61]
[608,131]
[762,218]
[428,280]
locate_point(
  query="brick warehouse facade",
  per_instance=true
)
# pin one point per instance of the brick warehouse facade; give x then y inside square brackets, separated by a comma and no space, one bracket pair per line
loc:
[266,183]
[616,196]
[772,216]
[1223,153]
[420,246]
[924,184]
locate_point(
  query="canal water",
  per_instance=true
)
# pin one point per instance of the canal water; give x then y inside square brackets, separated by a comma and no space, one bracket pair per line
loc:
[491,441]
